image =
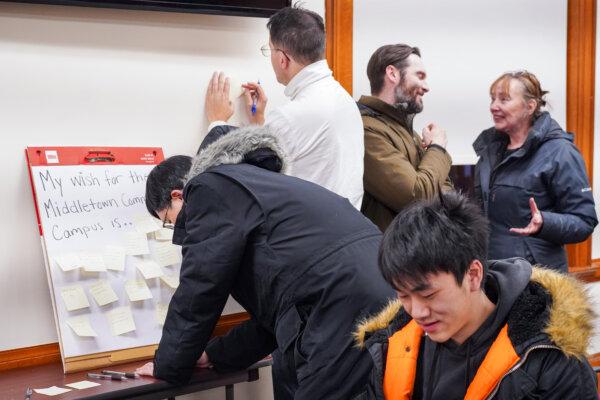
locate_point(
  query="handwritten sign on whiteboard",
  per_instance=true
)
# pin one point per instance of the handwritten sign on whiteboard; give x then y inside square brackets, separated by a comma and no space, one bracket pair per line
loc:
[99,238]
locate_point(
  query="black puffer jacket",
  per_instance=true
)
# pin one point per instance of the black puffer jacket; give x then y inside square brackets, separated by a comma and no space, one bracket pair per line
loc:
[300,259]
[549,325]
[549,168]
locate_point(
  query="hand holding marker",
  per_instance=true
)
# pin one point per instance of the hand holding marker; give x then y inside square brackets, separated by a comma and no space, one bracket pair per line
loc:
[254,97]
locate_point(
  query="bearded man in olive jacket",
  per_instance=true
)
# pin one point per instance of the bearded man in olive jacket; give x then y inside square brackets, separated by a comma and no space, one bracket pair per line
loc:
[400,165]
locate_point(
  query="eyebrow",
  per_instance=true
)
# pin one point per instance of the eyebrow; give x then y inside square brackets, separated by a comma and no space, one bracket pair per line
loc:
[421,287]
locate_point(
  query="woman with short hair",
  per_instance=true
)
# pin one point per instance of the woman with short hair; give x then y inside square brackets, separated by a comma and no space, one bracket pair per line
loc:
[530,178]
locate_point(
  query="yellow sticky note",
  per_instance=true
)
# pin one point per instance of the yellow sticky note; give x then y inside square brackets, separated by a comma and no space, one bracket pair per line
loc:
[52,391]
[166,254]
[82,385]
[171,280]
[114,258]
[92,262]
[145,223]
[136,243]
[74,297]
[149,269]
[103,293]
[81,326]
[120,320]
[68,262]
[164,234]
[161,313]
[137,290]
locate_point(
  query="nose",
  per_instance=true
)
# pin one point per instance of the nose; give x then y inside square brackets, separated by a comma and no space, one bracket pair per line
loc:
[494,106]
[419,310]
[425,86]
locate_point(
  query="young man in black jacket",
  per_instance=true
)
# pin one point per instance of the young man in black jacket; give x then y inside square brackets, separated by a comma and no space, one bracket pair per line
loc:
[462,330]
[300,259]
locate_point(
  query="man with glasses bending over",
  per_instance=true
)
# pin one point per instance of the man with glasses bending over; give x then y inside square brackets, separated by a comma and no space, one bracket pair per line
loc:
[320,128]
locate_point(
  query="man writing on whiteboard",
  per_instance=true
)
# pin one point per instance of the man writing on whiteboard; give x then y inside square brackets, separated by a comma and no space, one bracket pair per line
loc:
[320,128]
[300,259]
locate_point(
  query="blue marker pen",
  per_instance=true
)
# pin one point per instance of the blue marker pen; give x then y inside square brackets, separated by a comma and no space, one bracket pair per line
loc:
[253,109]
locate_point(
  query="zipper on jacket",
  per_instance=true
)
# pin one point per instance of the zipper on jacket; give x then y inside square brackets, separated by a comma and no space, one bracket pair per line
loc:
[518,365]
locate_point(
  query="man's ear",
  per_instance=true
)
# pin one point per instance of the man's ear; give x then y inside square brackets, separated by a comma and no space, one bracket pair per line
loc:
[392,74]
[176,194]
[475,275]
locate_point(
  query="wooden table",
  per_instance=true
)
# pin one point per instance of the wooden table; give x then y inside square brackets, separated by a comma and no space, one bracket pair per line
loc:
[14,383]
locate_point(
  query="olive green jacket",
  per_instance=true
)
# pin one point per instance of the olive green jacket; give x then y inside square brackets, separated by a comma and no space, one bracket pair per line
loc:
[398,170]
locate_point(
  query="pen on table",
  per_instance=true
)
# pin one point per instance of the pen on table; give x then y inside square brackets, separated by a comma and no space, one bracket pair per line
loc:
[28,394]
[109,377]
[253,109]
[131,375]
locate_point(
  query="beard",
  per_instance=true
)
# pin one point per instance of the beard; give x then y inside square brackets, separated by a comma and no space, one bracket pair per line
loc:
[406,99]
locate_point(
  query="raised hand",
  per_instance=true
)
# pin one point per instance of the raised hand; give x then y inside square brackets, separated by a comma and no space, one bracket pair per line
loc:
[535,225]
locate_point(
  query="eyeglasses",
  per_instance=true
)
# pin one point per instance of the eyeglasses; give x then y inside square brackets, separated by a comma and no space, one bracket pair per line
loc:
[167,225]
[266,51]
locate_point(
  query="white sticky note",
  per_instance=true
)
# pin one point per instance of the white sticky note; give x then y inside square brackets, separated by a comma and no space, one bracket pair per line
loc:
[81,326]
[120,320]
[164,234]
[68,262]
[137,290]
[145,223]
[114,258]
[149,269]
[161,313]
[171,280]
[136,243]
[103,293]
[92,262]
[166,254]
[52,391]
[82,385]
[74,297]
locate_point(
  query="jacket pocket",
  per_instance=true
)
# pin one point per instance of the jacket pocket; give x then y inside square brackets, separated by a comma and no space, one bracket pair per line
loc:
[288,334]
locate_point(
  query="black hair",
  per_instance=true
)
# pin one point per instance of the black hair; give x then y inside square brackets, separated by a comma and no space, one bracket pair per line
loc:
[441,235]
[298,32]
[390,54]
[167,176]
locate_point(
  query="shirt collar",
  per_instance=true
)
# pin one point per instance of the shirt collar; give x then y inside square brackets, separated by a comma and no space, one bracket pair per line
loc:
[308,75]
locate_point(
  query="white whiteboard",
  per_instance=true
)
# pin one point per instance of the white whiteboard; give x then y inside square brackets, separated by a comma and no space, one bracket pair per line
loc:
[82,209]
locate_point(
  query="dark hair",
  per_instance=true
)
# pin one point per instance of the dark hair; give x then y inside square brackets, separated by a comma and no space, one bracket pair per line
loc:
[167,176]
[532,89]
[390,54]
[441,235]
[298,32]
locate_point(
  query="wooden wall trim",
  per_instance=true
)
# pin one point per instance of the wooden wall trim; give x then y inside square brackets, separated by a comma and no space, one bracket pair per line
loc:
[50,353]
[338,48]
[581,67]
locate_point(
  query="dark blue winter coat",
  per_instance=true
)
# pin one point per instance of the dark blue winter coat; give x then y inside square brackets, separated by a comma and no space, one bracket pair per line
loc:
[549,168]
[299,258]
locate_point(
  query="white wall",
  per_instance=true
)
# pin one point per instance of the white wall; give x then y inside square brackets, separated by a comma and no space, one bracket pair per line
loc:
[89,76]
[465,45]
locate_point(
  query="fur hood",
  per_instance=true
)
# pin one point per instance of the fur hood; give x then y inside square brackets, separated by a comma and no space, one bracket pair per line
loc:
[236,146]
[569,323]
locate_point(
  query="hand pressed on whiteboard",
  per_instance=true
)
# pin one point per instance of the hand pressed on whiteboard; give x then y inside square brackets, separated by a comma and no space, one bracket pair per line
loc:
[535,225]
[146,369]
[218,106]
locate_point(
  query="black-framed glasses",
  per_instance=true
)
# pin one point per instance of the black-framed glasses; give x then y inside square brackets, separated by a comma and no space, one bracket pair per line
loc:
[165,224]
[266,51]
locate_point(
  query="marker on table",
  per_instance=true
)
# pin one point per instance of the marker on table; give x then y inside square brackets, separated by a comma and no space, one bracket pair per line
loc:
[108,377]
[253,109]
[131,375]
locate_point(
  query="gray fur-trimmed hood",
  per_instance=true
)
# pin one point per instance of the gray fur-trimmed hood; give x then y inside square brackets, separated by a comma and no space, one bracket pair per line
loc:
[236,146]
